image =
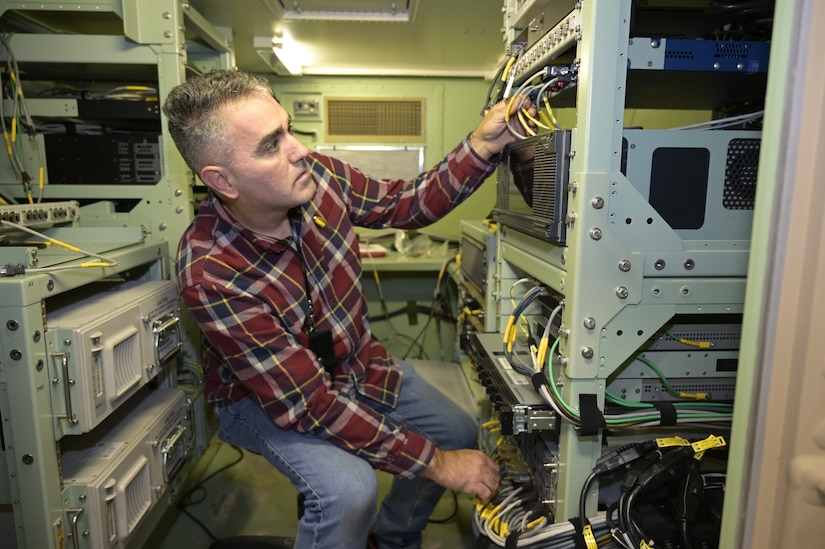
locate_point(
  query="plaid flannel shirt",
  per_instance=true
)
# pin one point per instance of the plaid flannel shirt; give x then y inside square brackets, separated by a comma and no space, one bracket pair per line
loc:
[248,296]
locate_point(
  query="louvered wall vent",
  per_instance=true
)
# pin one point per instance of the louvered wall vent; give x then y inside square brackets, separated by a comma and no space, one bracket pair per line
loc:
[374,119]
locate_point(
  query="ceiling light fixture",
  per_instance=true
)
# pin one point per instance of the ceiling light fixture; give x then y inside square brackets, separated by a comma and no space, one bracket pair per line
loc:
[388,11]
[282,54]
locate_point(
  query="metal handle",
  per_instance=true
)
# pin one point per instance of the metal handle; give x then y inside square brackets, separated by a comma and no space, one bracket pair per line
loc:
[67,394]
[161,329]
[74,515]
[168,450]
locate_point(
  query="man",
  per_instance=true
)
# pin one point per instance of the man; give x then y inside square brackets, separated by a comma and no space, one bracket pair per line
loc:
[270,269]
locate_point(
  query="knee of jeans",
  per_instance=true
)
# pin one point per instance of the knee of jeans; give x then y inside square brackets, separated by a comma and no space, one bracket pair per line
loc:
[464,432]
[351,493]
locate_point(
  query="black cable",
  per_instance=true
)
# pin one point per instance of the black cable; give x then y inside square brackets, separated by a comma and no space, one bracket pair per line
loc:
[186,500]
[433,308]
[452,516]
[690,498]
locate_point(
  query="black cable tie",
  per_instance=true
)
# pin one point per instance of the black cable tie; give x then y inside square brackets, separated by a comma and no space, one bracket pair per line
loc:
[578,539]
[592,419]
[512,540]
[667,412]
[539,380]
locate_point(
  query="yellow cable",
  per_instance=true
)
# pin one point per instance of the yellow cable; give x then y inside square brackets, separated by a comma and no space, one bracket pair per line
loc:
[534,120]
[524,125]
[550,112]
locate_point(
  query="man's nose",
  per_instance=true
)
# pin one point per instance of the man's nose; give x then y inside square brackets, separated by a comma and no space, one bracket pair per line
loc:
[298,151]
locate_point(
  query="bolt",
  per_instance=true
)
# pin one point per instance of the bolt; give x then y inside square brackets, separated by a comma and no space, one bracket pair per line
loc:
[621,292]
[39,365]
[28,459]
[587,352]
[16,354]
[597,202]
[659,264]
[596,233]
[624,265]
[12,325]
[589,323]
[689,264]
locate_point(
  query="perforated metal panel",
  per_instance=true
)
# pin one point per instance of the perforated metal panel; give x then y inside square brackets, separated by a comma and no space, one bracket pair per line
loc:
[740,174]
[374,119]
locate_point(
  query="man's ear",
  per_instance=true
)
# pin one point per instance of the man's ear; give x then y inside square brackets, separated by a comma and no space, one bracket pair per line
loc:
[217,178]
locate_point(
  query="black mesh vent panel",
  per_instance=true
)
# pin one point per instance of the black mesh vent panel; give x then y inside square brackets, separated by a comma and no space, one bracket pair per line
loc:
[375,119]
[740,174]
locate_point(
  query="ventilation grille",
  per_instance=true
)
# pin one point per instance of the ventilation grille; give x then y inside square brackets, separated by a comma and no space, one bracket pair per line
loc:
[137,497]
[544,196]
[374,119]
[740,174]
[126,358]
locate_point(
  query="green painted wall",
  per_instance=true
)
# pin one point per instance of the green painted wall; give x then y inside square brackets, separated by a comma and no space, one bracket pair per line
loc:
[452,111]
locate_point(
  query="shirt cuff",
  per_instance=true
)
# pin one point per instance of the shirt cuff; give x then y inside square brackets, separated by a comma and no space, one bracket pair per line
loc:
[483,163]
[413,458]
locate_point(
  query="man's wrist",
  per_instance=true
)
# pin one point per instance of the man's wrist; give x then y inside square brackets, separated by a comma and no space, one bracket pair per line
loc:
[479,145]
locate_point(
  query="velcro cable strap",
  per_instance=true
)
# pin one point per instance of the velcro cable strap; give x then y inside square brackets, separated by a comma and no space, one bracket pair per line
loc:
[539,380]
[667,413]
[578,539]
[512,540]
[592,419]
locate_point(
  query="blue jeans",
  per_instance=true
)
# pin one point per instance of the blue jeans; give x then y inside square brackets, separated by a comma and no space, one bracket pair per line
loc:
[340,489]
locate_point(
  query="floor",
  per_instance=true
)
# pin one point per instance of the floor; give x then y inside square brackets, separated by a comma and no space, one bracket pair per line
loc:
[241,494]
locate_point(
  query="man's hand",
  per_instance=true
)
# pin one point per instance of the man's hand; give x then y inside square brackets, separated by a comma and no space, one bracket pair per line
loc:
[468,471]
[492,135]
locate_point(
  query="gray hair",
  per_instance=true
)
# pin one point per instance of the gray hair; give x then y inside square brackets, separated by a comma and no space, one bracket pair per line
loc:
[191,109]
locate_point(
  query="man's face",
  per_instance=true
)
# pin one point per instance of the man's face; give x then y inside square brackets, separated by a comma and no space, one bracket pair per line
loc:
[269,169]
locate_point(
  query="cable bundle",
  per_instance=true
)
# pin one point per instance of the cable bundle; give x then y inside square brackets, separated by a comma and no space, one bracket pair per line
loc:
[662,492]
[514,519]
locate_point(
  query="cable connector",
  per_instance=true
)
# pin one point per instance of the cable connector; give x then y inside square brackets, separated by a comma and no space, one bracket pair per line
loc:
[692,491]
[665,470]
[10,270]
[622,457]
